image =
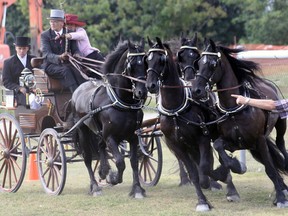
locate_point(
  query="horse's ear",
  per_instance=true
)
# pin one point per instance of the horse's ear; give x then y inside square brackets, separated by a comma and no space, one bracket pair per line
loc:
[159,42]
[212,44]
[129,44]
[183,40]
[195,39]
[149,41]
[206,42]
[142,42]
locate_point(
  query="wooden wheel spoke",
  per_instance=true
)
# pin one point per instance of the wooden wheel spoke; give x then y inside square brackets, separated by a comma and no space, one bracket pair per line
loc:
[49,177]
[16,146]
[5,174]
[13,161]
[56,156]
[13,138]
[12,168]
[56,174]
[44,151]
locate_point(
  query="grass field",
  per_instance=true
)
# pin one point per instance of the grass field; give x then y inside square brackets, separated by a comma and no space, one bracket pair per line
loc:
[166,198]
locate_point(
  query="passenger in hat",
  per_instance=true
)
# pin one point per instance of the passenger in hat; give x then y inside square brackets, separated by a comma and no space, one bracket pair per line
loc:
[76,32]
[13,67]
[56,63]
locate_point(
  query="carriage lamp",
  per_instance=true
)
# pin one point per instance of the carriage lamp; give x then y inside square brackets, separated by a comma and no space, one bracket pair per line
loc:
[27,79]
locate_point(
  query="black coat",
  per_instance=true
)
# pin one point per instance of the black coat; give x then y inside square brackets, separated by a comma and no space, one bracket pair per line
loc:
[12,71]
[52,48]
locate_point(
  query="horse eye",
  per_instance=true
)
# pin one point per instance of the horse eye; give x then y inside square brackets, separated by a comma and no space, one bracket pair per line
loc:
[191,54]
[213,63]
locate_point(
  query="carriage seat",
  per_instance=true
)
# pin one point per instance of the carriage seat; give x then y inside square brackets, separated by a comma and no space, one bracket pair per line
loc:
[43,81]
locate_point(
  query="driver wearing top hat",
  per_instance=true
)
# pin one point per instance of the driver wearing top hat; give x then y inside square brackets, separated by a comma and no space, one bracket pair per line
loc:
[13,67]
[54,51]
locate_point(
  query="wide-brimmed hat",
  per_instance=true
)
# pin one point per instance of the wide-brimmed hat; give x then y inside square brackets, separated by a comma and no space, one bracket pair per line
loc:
[56,14]
[22,41]
[73,19]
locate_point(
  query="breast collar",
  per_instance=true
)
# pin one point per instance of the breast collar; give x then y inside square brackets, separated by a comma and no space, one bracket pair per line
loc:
[181,108]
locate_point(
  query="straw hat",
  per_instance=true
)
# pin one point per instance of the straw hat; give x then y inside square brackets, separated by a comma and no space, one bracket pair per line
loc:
[73,19]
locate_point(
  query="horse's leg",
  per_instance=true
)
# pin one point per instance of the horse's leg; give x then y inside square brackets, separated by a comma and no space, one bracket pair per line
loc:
[85,141]
[104,166]
[137,191]
[206,165]
[119,161]
[203,204]
[184,179]
[229,162]
[267,158]
[281,126]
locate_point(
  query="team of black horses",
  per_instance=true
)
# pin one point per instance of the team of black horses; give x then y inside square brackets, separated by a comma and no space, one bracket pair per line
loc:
[192,115]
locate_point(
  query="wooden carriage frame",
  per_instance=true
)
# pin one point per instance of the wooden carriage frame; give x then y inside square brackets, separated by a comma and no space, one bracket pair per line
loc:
[55,148]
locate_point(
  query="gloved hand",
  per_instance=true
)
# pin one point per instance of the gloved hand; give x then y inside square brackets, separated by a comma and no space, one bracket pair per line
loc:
[68,36]
[64,56]
[22,90]
[76,55]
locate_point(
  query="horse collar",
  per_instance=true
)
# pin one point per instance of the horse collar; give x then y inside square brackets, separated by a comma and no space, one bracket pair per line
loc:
[119,103]
[181,108]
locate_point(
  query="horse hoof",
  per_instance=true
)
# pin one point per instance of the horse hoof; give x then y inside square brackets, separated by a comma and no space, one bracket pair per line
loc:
[238,167]
[202,208]
[215,186]
[138,196]
[282,204]
[233,198]
[285,192]
[243,168]
[97,193]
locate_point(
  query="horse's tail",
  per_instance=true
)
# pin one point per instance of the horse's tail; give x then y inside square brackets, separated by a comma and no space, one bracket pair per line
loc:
[277,157]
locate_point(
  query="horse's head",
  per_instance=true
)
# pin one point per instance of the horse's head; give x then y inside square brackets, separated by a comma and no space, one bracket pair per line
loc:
[187,55]
[157,59]
[209,71]
[136,68]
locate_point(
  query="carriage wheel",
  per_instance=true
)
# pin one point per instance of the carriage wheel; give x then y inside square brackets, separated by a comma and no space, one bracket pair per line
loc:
[13,157]
[151,166]
[51,161]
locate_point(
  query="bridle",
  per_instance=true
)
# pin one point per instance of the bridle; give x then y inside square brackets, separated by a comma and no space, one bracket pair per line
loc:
[129,59]
[209,80]
[187,66]
[163,51]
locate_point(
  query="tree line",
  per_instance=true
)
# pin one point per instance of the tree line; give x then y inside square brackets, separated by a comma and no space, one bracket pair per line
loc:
[225,21]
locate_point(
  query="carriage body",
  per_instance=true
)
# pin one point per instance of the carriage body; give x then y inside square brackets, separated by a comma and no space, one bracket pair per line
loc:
[43,132]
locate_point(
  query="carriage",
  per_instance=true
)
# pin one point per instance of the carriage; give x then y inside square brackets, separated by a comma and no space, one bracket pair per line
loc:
[46,133]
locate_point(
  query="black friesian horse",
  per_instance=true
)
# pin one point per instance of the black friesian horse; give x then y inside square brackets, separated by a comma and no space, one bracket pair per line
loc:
[187,55]
[181,121]
[246,127]
[114,105]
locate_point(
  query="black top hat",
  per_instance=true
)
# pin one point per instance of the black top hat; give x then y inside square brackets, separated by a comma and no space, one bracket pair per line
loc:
[22,41]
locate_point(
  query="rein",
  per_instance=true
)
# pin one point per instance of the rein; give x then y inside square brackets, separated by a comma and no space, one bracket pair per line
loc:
[226,89]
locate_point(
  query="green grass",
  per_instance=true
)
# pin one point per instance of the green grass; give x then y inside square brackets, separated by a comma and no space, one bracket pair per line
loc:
[166,198]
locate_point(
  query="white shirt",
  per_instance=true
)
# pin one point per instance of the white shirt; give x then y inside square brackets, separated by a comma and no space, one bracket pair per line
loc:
[23,60]
[60,32]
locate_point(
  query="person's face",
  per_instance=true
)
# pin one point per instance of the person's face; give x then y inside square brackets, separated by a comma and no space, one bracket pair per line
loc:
[71,27]
[21,51]
[56,25]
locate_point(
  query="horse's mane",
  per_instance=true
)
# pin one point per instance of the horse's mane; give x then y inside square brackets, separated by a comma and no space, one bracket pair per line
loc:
[243,69]
[112,59]
[171,64]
